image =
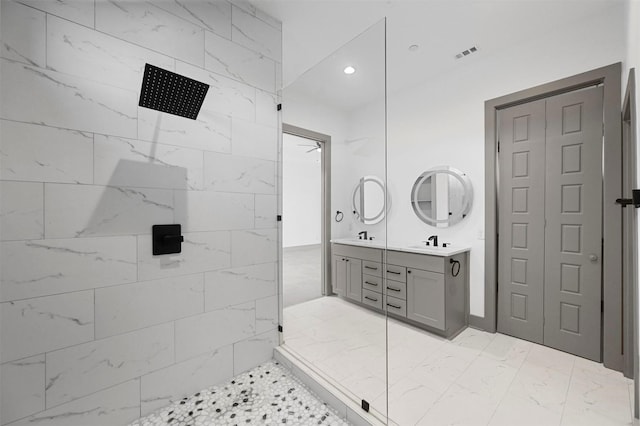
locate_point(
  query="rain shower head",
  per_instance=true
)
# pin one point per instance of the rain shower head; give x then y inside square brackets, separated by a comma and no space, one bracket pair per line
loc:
[172,93]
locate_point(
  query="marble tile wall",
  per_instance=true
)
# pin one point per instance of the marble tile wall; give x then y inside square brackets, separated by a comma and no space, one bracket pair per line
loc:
[94,328]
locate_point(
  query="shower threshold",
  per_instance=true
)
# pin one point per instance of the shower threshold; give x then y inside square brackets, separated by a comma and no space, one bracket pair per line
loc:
[267,394]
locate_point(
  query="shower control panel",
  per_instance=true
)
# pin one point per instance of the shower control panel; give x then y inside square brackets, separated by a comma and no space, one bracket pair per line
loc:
[167,239]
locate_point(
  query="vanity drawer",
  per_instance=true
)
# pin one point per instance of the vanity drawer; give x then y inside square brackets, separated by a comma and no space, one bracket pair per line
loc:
[364,253]
[372,268]
[397,273]
[418,261]
[396,289]
[372,283]
[371,298]
[396,306]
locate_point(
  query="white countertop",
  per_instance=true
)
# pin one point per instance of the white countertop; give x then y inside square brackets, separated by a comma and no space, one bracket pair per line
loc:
[410,248]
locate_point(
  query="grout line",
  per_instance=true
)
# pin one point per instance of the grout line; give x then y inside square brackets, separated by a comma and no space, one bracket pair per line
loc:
[44,223]
[46,41]
[137,260]
[45,381]
[94,314]
[93,156]
[84,396]
[566,395]
[164,54]
[140,395]
[506,391]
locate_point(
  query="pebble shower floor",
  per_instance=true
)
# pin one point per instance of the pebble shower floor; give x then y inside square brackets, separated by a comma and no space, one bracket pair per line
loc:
[267,394]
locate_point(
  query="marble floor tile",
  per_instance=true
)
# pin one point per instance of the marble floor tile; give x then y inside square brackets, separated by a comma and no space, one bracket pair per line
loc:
[527,412]
[477,378]
[597,397]
[408,401]
[460,406]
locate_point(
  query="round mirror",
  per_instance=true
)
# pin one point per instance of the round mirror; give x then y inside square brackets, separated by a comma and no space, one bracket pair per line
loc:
[368,200]
[442,196]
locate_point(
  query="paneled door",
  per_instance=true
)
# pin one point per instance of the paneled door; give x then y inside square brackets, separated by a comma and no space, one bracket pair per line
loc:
[550,240]
[521,236]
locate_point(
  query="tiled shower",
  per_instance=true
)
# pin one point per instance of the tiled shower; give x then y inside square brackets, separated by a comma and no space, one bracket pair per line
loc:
[94,328]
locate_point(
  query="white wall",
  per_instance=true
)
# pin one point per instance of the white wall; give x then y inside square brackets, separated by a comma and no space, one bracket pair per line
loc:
[95,329]
[301,192]
[442,122]
[308,114]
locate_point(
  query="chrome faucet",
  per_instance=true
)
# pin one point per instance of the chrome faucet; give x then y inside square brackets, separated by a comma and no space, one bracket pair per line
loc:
[433,238]
[362,235]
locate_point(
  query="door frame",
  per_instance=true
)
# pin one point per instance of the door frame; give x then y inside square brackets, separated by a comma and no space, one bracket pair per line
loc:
[325,227]
[629,143]
[610,77]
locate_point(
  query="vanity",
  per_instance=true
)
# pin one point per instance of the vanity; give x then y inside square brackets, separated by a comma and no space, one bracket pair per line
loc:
[425,287]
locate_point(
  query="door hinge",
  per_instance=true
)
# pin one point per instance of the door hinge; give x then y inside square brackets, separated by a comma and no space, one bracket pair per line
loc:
[279,328]
[279,107]
[602,129]
[279,218]
[602,306]
[498,146]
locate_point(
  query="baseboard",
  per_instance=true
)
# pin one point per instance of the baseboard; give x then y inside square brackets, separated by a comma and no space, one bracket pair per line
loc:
[327,391]
[480,323]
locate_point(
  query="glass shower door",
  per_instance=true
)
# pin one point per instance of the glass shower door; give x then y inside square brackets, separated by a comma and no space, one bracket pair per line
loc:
[342,335]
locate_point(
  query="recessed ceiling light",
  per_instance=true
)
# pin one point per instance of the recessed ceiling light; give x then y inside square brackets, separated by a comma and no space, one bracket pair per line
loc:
[413,48]
[349,70]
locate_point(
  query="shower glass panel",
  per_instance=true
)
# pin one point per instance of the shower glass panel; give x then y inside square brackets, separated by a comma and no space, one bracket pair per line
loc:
[342,335]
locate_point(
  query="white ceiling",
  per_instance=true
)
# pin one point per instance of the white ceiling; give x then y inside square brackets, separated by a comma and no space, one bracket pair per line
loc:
[314,29]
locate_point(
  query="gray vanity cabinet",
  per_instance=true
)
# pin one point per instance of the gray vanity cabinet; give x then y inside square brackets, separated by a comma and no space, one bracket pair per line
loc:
[349,263]
[347,273]
[424,290]
[339,280]
[425,297]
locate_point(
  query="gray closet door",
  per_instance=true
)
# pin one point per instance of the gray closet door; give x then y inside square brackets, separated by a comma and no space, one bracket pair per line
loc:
[521,221]
[574,222]
[550,229]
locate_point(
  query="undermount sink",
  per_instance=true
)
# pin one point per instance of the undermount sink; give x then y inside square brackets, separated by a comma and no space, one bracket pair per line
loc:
[424,246]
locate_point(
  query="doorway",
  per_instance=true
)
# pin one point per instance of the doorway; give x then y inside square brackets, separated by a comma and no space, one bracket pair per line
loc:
[305,225]
[550,221]
[609,77]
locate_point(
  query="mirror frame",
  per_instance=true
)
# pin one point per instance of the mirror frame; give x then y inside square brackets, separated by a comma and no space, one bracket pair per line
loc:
[467,200]
[385,208]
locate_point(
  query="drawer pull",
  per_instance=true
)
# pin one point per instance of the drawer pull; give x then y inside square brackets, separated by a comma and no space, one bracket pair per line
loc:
[371,298]
[393,289]
[375,284]
[393,272]
[370,267]
[394,306]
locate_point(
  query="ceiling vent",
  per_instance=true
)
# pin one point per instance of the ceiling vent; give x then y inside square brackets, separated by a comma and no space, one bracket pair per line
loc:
[469,51]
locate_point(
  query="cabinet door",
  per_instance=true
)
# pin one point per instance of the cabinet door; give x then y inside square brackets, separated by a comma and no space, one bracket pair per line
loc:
[339,282]
[354,279]
[425,297]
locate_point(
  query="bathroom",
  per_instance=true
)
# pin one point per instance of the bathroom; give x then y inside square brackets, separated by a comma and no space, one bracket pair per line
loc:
[95,328]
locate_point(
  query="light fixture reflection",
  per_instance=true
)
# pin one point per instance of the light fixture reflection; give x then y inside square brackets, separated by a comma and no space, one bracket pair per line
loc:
[349,70]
